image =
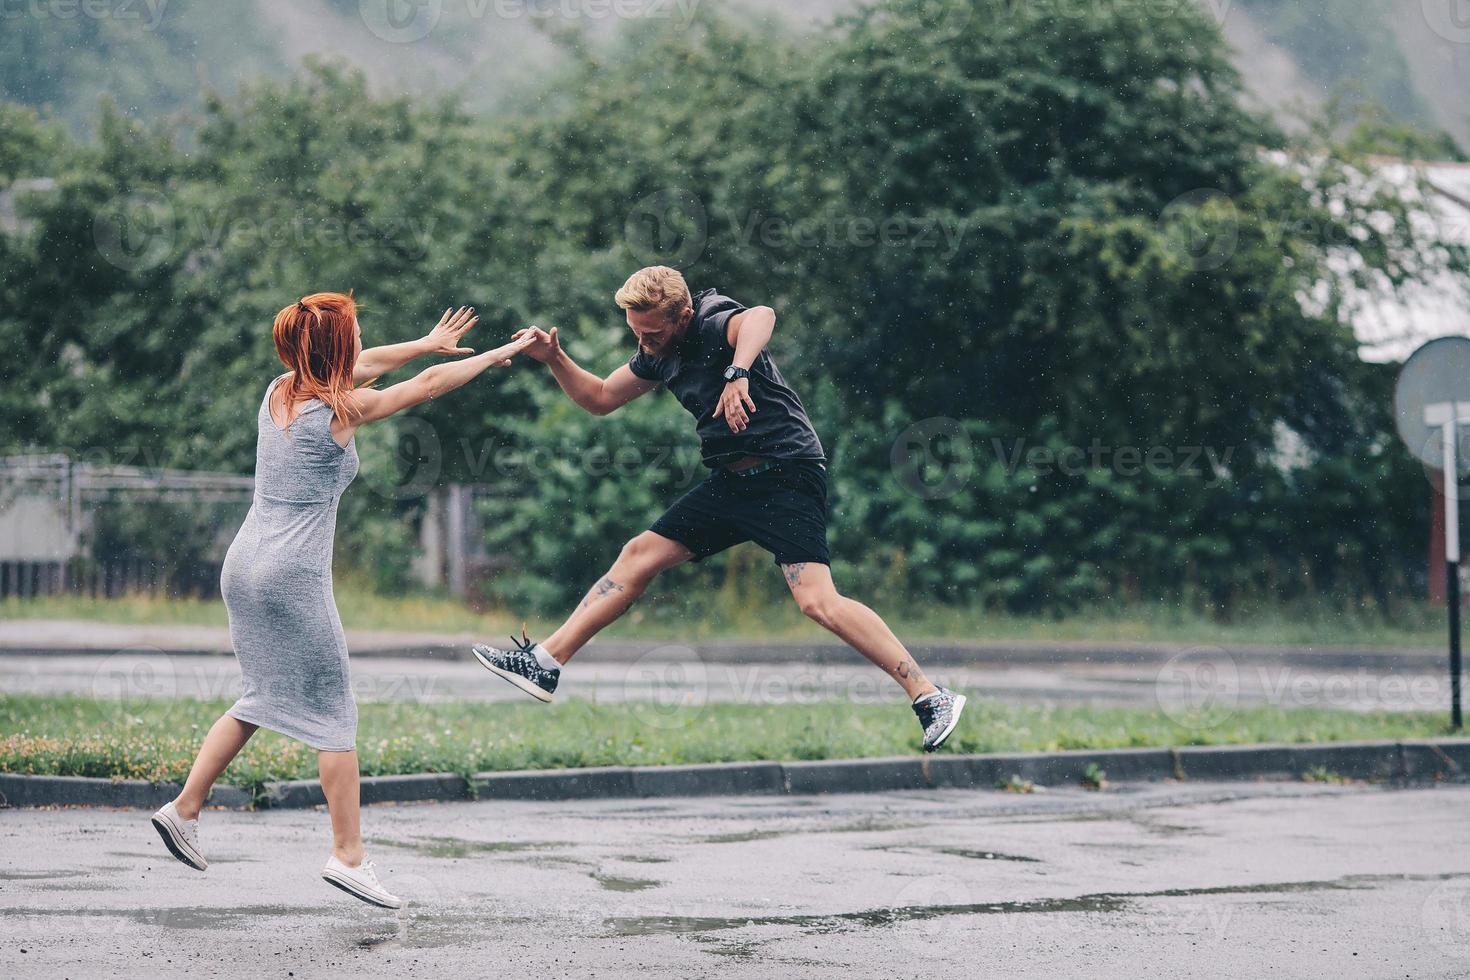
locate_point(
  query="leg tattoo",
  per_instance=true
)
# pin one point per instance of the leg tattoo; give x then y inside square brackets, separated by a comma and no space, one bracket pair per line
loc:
[793,573]
[909,670]
[601,590]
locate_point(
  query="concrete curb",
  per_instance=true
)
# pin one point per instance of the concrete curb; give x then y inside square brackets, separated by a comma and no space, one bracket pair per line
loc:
[1401,760]
[18,790]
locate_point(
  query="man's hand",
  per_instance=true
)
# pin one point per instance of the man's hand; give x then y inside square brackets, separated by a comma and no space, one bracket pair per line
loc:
[736,405]
[444,338]
[546,347]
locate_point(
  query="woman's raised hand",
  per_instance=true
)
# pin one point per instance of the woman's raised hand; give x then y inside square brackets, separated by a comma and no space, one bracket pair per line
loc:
[453,325]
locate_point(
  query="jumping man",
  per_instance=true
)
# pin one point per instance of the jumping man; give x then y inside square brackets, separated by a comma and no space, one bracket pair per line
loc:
[768,483]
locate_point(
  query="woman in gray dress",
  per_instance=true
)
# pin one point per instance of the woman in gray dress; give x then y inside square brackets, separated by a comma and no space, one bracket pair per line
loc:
[277,577]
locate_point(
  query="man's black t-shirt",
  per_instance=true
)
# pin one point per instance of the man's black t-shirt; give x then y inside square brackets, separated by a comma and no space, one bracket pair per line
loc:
[779,428]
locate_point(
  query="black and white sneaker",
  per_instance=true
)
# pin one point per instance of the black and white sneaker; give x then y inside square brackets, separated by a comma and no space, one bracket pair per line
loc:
[521,667]
[939,713]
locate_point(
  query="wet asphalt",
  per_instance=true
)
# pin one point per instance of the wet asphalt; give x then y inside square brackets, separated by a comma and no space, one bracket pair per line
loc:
[1280,880]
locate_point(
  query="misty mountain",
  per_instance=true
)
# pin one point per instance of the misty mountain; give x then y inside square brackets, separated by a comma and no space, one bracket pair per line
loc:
[156,57]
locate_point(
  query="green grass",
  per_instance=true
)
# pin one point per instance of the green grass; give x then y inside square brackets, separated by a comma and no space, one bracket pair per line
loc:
[156,740]
[709,617]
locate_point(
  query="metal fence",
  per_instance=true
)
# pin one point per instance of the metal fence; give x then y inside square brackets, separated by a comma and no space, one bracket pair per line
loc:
[100,530]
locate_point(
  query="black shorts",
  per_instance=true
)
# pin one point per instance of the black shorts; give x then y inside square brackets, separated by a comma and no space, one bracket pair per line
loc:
[782,509]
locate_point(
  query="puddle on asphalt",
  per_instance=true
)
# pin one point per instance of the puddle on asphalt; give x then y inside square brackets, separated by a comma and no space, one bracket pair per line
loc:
[454,847]
[415,928]
[38,875]
[859,827]
[189,917]
[655,925]
[613,883]
[960,852]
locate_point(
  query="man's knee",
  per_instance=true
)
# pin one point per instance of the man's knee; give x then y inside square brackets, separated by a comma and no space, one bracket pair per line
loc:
[644,557]
[819,606]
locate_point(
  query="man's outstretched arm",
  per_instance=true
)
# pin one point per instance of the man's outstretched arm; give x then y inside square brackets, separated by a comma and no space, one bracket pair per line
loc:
[600,396]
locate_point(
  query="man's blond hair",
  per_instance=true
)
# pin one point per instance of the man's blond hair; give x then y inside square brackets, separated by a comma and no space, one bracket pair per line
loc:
[656,288]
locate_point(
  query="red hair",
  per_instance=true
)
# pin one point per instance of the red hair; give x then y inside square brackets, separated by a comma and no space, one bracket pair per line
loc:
[316,338]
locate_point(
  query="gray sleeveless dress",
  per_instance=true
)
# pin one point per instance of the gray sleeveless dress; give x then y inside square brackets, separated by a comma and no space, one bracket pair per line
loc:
[277,584]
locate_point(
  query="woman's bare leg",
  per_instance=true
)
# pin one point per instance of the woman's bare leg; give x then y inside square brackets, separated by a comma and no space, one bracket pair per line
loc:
[225,740]
[340,785]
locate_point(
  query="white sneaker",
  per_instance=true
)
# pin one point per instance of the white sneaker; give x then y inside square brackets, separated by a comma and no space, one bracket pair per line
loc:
[360,882]
[180,836]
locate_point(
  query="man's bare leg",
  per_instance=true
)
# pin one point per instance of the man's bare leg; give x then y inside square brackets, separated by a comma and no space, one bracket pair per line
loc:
[642,560]
[857,625]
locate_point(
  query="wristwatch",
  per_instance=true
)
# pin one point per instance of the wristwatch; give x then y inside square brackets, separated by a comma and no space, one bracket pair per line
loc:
[733,373]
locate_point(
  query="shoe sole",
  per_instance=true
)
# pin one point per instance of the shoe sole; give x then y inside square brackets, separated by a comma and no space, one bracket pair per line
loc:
[954,720]
[516,679]
[177,846]
[336,881]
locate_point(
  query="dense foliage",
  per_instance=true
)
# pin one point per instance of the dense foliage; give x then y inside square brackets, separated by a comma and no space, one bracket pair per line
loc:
[988,231]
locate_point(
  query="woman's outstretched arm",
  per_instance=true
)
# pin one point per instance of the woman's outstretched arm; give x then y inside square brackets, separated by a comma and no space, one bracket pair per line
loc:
[443,339]
[429,384]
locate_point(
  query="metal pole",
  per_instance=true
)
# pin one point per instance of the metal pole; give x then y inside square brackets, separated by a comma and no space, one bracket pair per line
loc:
[1452,557]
